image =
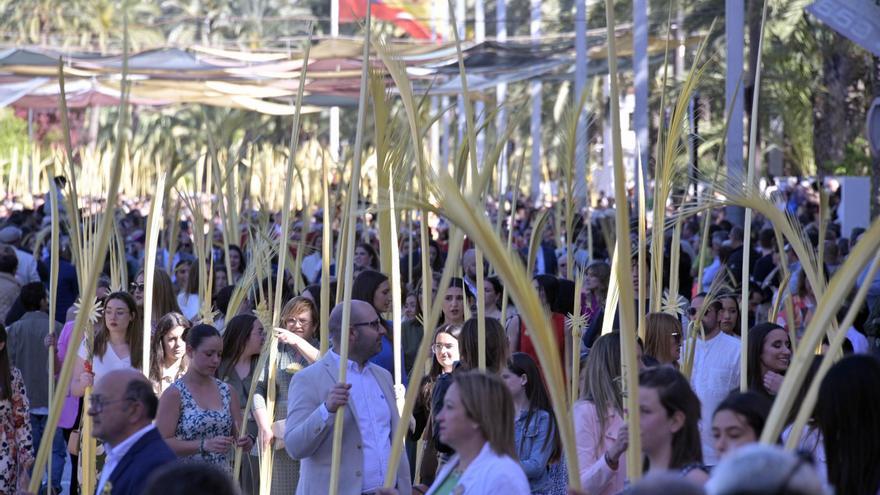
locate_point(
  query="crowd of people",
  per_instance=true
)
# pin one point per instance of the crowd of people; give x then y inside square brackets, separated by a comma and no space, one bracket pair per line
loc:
[475,429]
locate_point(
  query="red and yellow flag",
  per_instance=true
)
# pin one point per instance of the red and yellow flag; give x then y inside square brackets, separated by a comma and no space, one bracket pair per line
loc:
[413,16]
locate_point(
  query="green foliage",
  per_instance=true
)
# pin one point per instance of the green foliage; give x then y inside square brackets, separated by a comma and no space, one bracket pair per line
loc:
[857,159]
[13,133]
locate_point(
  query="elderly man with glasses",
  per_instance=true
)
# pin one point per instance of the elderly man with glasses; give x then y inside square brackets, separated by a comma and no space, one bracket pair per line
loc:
[370,412]
[122,407]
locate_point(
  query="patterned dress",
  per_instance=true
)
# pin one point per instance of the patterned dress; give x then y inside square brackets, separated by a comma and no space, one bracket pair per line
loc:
[197,423]
[285,471]
[16,442]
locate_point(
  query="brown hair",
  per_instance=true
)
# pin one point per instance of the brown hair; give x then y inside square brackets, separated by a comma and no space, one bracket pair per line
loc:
[133,334]
[157,355]
[675,394]
[600,380]
[164,298]
[659,334]
[297,305]
[487,402]
[496,345]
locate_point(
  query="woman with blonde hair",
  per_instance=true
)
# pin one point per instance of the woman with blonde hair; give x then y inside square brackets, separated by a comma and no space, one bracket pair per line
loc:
[297,348]
[662,339]
[477,422]
[601,435]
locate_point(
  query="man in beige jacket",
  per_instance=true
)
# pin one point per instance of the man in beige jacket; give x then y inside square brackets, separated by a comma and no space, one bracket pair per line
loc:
[370,412]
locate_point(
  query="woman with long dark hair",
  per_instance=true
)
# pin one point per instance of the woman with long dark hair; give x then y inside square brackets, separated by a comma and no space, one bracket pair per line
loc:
[535,431]
[117,343]
[242,342]
[167,363]
[164,297]
[16,442]
[729,315]
[848,417]
[547,287]
[375,288]
[768,359]
[199,415]
[468,344]
[669,415]
[739,421]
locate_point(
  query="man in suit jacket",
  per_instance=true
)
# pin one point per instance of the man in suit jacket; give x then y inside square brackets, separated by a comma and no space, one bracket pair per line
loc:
[123,407]
[370,416]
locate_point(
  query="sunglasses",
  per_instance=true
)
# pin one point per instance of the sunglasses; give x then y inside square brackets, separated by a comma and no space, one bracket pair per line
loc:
[692,311]
[375,323]
[136,287]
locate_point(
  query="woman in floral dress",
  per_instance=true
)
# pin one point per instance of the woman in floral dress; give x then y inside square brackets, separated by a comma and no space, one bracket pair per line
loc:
[16,443]
[199,416]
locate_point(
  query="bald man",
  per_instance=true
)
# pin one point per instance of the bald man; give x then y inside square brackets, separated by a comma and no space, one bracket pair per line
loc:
[122,408]
[370,412]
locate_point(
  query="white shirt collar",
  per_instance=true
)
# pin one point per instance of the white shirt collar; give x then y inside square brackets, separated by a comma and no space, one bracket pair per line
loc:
[351,364]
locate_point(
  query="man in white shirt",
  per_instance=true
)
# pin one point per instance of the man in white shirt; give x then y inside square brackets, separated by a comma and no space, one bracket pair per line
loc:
[122,408]
[370,412]
[716,370]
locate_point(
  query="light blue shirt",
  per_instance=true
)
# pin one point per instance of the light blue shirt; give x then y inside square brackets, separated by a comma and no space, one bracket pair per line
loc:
[370,407]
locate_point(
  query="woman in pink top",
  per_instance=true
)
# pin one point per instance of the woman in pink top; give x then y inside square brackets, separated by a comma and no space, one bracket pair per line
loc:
[600,432]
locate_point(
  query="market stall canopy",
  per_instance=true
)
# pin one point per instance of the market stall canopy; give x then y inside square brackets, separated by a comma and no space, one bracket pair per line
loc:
[267,81]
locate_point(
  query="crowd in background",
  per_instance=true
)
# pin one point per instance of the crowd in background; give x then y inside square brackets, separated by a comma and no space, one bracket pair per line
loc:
[489,431]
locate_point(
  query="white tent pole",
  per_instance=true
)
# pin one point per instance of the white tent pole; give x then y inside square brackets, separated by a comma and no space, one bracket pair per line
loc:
[535,93]
[640,66]
[501,89]
[734,28]
[334,111]
[580,81]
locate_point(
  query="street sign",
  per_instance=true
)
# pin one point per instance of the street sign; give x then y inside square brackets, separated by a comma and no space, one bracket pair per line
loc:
[857,20]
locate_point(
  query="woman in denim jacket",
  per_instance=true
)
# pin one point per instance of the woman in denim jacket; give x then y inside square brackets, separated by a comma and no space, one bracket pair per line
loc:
[536,435]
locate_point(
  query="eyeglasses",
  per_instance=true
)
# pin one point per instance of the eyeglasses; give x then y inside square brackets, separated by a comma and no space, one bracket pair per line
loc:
[97,403]
[375,323]
[135,287]
[294,322]
[440,347]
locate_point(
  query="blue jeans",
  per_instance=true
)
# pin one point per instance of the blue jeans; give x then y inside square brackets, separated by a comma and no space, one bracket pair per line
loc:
[59,450]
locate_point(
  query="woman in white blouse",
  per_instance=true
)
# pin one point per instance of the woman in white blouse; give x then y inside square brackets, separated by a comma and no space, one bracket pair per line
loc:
[117,343]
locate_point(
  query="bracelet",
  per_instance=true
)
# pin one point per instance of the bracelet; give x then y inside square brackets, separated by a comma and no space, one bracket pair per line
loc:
[202,446]
[612,464]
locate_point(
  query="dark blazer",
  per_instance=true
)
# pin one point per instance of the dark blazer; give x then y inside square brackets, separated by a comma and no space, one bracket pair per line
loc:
[149,453]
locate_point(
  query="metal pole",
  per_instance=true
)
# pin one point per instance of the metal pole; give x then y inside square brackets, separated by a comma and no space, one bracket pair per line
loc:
[580,82]
[479,106]
[640,66]
[734,27]
[501,89]
[535,94]
[334,111]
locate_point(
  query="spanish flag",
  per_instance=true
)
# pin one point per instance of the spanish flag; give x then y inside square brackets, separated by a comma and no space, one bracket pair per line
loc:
[413,16]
